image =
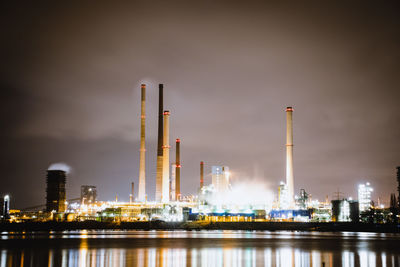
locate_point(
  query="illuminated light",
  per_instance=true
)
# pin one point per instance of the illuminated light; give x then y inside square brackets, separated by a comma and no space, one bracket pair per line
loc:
[143,85]
[178,140]
[289,109]
[178,166]
[143,116]
[248,211]
[166,113]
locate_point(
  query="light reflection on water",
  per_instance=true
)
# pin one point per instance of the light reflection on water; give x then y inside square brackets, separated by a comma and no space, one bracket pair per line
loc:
[203,248]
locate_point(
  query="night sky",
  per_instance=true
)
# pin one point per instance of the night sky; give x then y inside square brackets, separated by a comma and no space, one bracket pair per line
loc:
[70,80]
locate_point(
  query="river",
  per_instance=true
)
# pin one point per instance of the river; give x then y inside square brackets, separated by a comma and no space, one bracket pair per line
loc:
[198,248]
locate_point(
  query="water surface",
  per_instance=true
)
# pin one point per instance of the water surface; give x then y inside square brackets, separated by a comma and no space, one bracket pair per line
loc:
[198,248]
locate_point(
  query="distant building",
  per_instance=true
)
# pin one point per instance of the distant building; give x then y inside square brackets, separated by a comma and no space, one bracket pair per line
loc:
[345,211]
[303,199]
[220,178]
[283,196]
[55,192]
[88,194]
[364,196]
[5,207]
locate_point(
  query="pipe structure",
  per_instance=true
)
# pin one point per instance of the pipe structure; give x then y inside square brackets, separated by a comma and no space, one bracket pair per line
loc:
[159,174]
[165,164]
[178,170]
[201,174]
[142,160]
[133,191]
[289,155]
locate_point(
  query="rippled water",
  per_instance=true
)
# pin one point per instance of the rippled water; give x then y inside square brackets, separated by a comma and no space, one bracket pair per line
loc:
[198,248]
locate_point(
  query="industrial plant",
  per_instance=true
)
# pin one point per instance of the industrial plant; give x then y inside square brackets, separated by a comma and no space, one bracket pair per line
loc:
[219,201]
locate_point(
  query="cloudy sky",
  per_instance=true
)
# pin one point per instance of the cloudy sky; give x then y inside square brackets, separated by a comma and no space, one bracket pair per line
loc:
[70,92]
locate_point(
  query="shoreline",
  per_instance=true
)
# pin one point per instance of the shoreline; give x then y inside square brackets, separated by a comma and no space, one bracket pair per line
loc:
[196,226]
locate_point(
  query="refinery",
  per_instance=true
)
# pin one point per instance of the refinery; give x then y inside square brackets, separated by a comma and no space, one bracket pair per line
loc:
[219,201]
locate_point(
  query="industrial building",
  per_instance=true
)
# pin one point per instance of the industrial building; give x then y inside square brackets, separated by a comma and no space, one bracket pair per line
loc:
[172,183]
[88,194]
[5,207]
[55,191]
[364,196]
[211,204]
[345,210]
[220,178]
[283,196]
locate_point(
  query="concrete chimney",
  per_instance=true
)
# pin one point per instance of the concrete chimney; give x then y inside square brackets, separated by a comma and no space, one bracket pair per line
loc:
[289,155]
[159,174]
[178,170]
[165,157]
[201,174]
[142,161]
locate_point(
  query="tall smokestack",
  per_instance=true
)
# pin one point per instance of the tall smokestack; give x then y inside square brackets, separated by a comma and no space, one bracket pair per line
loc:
[289,155]
[160,144]
[165,157]
[142,163]
[178,170]
[201,174]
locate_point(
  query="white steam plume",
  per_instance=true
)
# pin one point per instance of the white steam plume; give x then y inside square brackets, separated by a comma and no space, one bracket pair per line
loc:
[248,193]
[60,166]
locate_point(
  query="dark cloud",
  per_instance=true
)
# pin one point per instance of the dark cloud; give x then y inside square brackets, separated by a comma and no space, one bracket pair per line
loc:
[71,75]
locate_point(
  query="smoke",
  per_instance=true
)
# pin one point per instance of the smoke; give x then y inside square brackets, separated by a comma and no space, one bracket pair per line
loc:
[249,193]
[60,166]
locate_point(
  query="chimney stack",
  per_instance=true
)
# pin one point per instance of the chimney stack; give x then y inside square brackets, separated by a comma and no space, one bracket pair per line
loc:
[165,157]
[159,175]
[142,163]
[289,155]
[178,170]
[201,174]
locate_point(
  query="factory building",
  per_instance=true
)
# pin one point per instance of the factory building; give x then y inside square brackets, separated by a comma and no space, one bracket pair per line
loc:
[345,211]
[88,194]
[5,207]
[220,178]
[55,192]
[172,184]
[303,199]
[364,196]
[283,197]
